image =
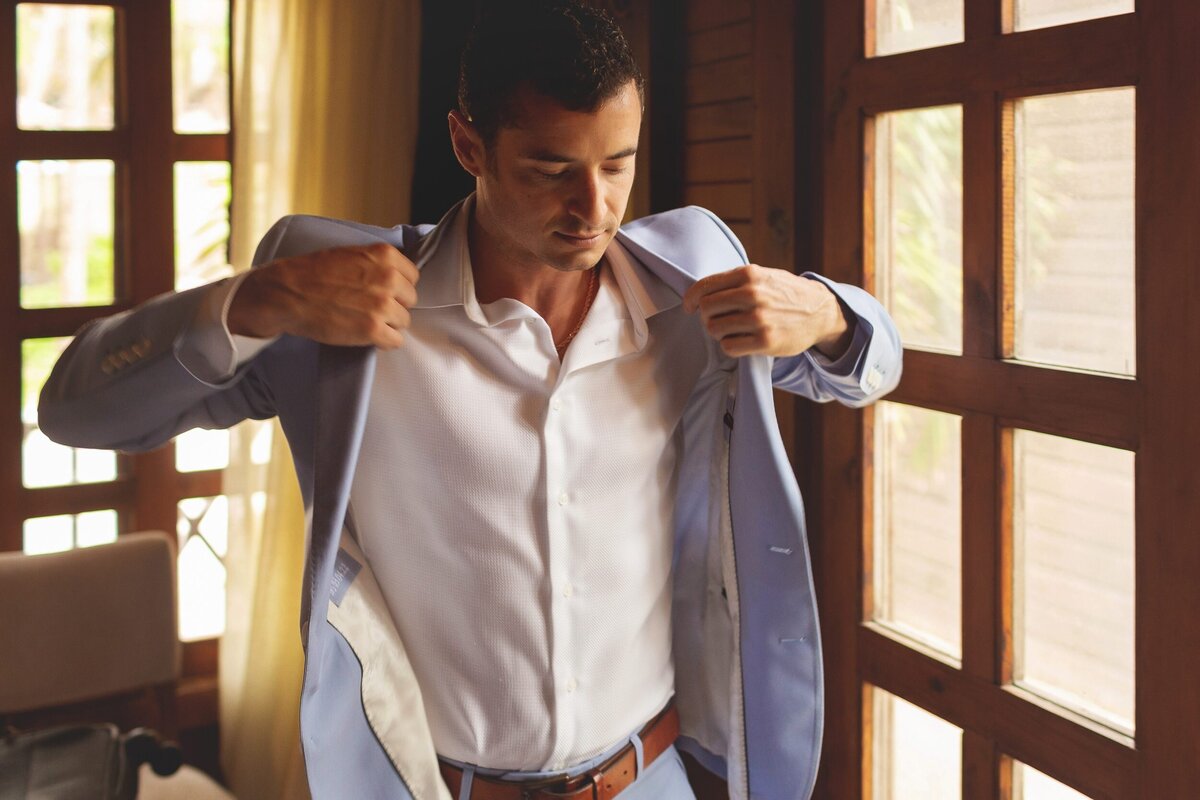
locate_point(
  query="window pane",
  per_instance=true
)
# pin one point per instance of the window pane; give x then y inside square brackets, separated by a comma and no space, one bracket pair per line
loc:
[65,216]
[1030,14]
[1029,784]
[95,527]
[44,463]
[203,524]
[200,65]
[1073,530]
[200,450]
[918,497]
[201,222]
[64,67]
[918,224]
[63,532]
[915,754]
[902,25]
[48,534]
[1074,226]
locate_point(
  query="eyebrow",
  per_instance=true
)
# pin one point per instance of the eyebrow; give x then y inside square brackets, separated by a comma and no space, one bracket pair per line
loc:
[545,155]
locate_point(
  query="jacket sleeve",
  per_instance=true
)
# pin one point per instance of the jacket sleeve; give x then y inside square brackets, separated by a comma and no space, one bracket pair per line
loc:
[122,385]
[868,370]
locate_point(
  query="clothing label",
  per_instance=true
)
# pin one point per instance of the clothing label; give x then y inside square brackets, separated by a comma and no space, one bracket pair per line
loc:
[345,569]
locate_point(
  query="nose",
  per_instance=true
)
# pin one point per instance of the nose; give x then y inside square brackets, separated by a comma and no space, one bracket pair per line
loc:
[586,202]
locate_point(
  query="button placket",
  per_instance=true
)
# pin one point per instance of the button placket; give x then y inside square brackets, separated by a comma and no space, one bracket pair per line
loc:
[563,669]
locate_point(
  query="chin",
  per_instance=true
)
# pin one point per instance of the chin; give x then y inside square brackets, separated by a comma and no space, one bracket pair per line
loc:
[578,259]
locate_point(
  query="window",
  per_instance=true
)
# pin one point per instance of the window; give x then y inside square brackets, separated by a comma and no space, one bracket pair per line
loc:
[118,188]
[1008,585]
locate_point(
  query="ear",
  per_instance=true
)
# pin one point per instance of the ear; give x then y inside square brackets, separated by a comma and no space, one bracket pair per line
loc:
[467,143]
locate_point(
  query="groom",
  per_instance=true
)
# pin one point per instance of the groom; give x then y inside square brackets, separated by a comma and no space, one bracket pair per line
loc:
[554,537]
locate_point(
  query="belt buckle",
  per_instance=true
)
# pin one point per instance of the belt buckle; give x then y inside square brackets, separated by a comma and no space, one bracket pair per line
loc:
[563,784]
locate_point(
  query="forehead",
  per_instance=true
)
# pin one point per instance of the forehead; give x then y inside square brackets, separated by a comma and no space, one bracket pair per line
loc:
[540,122]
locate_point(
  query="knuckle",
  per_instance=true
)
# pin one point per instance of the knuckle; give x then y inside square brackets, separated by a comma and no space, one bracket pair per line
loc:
[380,303]
[380,250]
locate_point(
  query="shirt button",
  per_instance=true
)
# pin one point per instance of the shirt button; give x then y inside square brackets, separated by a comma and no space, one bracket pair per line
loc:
[571,685]
[562,498]
[568,590]
[556,404]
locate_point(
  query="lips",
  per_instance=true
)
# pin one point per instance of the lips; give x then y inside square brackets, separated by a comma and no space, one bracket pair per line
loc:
[580,240]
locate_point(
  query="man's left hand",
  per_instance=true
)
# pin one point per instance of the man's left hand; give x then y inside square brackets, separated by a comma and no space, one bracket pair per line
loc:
[753,310]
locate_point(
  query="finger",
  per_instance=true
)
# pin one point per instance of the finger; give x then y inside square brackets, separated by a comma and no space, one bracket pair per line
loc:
[746,344]
[386,337]
[399,318]
[735,324]
[405,267]
[727,301]
[390,256]
[713,283]
[403,291]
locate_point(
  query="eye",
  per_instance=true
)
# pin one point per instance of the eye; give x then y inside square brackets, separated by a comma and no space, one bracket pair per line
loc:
[550,176]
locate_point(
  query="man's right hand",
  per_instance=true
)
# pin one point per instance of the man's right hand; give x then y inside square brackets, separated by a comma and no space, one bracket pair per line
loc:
[345,296]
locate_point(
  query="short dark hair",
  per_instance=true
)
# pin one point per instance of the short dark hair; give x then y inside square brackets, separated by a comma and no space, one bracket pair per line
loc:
[565,49]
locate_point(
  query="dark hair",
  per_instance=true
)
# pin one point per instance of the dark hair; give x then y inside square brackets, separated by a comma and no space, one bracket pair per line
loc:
[569,51]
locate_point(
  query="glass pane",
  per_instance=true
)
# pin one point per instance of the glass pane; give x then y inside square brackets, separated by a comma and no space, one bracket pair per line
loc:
[44,463]
[48,534]
[64,67]
[203,524]
[200,65]
[95,527]
[918,519]
[1074,225]
[65,216]
[914,753]
[201,222]
[201,593]
[918,224]
[200,450]
[1030,14]
[1029,784]
[64,531]
[1073,530]
[902,25]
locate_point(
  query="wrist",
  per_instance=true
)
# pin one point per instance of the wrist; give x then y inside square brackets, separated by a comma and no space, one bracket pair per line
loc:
[839,333]
[253,309]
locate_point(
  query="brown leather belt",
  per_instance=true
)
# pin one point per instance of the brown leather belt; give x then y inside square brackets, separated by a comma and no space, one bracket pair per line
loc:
[602,782]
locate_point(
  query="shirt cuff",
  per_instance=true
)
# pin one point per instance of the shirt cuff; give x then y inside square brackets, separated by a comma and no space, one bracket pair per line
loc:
[207,349]
[844,364]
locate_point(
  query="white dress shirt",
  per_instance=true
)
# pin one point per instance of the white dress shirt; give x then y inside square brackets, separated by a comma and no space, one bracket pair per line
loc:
[517,512]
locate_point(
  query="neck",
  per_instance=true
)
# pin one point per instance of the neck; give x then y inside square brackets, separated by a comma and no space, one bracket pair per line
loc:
[557,296]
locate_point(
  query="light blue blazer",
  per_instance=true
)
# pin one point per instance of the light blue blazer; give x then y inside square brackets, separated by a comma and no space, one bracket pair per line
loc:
[745,631]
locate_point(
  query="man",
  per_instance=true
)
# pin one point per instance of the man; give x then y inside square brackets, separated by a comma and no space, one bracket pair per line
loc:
[526,439]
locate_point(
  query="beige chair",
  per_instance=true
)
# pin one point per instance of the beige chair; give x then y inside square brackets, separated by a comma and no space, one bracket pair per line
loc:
[89,635]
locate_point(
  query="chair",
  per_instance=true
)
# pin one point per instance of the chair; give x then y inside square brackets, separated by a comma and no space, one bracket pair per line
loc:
[89,635]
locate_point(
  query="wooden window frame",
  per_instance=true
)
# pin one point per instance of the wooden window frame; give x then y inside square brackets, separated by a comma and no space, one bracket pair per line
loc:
[144,147]
[1152,49]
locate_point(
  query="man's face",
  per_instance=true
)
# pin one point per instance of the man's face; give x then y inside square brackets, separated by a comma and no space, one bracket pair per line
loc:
[554,186]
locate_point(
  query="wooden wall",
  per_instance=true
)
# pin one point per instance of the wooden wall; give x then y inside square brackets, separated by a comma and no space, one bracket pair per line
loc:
[739,132]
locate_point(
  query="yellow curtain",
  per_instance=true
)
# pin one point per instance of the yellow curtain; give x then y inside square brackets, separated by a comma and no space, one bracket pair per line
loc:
[325,119]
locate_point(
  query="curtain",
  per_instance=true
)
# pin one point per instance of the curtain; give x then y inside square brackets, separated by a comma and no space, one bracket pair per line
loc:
[325,122]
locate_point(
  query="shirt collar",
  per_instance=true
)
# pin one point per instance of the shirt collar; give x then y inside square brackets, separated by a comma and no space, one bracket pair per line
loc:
[446,280]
